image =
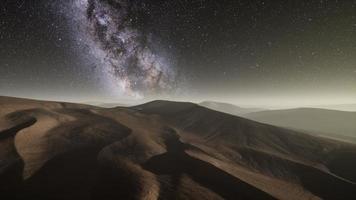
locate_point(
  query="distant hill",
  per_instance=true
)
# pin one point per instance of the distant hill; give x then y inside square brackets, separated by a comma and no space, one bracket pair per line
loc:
[331,123]
[340,107]
[229,108]
[109,105]
[112,105]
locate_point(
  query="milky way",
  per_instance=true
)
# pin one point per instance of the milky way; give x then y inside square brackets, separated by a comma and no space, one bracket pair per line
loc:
[130,60]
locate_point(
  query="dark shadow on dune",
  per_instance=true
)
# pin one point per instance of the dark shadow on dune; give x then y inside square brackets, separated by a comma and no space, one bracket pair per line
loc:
[343,163]
[113,183]
[11,180]
[176,162]
[11,132]
[78,175]
[318,182]
[325,185]
[67,176]
[11,165]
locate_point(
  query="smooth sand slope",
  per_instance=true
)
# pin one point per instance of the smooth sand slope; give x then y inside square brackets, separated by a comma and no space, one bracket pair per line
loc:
[162,150]
[328,123]
[229,108]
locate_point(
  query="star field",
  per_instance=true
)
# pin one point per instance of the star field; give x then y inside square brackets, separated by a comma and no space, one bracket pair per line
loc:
[225,50]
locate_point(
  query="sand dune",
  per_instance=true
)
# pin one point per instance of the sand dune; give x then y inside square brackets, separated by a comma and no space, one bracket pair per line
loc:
[229,108]
[162,150]
[327,123]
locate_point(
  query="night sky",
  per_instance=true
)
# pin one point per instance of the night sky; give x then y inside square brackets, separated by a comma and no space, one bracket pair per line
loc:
[252,52]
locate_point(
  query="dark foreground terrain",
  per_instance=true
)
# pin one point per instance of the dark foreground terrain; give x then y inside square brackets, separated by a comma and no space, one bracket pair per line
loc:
[162,150]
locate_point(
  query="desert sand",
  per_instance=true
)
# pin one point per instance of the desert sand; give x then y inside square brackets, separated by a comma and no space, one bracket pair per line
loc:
[326,123]
[162,150]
